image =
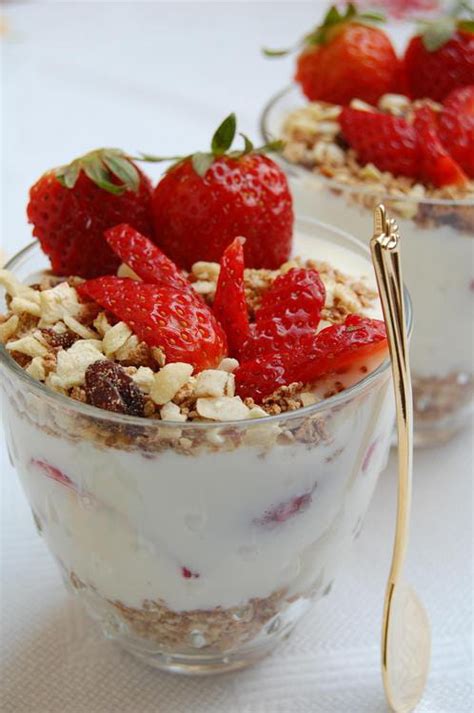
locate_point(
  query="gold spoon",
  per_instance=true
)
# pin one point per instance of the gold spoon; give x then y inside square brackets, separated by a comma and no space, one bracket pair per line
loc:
[406,638]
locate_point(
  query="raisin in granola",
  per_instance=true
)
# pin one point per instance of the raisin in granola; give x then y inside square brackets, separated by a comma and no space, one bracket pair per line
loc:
[108,386]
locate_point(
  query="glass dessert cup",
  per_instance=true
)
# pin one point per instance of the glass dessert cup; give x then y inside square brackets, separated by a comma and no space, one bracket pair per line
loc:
[198,546]
[438,260]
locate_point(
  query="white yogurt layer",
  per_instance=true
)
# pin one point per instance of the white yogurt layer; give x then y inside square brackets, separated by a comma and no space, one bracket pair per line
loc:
[438,269]
[128,524]
[214,529]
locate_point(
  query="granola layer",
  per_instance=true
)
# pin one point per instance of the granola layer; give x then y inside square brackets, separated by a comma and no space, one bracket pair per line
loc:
[437,398]
[216,630]
[55,336]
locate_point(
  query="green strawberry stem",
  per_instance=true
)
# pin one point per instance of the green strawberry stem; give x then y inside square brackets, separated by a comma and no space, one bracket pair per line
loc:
[435,33]
[221,143]
[102,166]
[322,33]
[114,171]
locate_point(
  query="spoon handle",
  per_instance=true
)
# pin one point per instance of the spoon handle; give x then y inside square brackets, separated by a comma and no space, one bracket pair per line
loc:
[385,249]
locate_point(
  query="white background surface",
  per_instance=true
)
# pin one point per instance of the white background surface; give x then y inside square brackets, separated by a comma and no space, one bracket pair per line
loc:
[159,77]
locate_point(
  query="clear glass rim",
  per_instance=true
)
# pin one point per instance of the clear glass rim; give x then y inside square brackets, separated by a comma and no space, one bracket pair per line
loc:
[60,400]
[302,172]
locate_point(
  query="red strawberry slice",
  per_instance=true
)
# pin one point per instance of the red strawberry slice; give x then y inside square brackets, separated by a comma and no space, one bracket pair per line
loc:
[283,511]
[389,142]
[436,166]
[188,574]
[334,349]
[369,454]
[456,127]
[274,335]
[175,320]
[298,289]
[289,314]
[52,472]
[144,257]
[230,306]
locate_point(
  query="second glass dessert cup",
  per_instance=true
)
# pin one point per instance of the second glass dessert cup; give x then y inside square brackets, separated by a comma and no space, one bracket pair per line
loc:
[198,546]
[438,267]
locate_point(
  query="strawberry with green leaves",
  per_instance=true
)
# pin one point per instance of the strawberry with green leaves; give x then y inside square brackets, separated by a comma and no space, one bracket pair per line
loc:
[346,57]
[205,200]
[70,208]
[441,58]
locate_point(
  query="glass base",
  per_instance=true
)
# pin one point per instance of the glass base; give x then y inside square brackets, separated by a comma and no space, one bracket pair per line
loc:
[436,434]
[180,657]
[443,406]
[200,665]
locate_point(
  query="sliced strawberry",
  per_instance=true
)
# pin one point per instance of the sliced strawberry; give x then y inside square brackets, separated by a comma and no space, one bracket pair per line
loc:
[188,574]
[273,335]
[436,165]
[298,289]
[456,127]
[175,320]
[334,349]
[230,306]
[389,142]
[369,454]
[289,313]
[52,472]
[283,511]
[144,257]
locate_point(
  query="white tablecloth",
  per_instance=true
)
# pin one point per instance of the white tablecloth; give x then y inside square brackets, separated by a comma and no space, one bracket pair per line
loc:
[159,77]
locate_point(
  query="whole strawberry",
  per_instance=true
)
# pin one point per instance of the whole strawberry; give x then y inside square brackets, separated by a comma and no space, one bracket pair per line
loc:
[206,200]
[441,58]
[345,58]
[71,206]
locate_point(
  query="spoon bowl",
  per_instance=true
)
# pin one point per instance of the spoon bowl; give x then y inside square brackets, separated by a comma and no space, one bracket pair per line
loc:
[408,649]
